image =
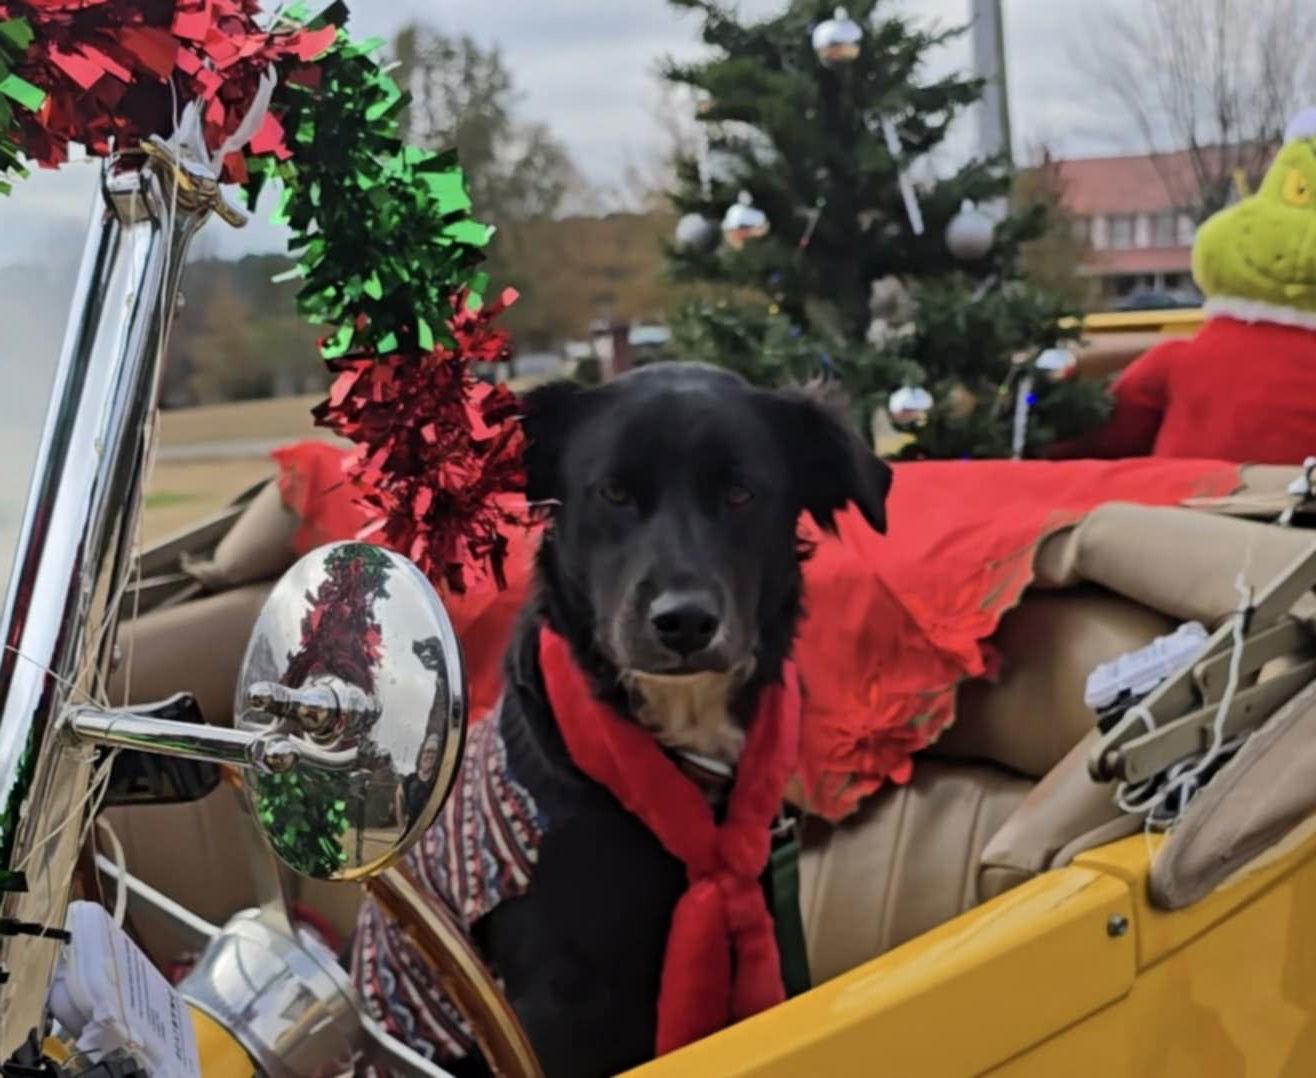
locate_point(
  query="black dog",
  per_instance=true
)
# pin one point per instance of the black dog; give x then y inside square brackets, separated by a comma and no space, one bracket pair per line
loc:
[672,567]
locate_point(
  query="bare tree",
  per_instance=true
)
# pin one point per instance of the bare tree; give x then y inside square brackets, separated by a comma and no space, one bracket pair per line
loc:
[1054,257]
[1216,79]
[464,95]
[649,172]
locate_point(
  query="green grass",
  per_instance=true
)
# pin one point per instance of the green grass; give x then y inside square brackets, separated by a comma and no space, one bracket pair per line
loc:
[163,499]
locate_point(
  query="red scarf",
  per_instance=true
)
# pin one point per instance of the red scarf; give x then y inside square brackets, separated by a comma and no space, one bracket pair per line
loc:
[721,963]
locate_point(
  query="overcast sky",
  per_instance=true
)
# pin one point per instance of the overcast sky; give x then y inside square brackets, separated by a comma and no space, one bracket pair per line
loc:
[586,68]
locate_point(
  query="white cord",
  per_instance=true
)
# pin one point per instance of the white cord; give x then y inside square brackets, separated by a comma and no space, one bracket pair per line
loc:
[1184,779]
[121,869]
[96,791]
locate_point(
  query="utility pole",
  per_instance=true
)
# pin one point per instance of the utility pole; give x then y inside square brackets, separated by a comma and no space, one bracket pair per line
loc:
[989,64]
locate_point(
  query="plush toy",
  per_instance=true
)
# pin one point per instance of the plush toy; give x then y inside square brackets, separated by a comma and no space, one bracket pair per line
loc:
[1244,387]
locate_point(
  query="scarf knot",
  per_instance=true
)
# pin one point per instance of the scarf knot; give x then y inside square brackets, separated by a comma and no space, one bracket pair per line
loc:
[721,963]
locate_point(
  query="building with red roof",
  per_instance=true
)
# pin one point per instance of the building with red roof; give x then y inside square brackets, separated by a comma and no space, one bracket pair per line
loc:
[1136,214]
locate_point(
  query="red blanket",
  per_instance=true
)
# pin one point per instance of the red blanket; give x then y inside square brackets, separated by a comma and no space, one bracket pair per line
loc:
[893,623]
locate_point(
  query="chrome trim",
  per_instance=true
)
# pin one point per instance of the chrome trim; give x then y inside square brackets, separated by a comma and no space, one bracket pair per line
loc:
[290,1005]
[75,549]
[271,753]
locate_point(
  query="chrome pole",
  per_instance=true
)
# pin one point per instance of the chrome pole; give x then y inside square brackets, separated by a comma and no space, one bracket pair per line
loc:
[76,547]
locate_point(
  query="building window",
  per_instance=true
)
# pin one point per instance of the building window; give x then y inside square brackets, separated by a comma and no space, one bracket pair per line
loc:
[1120,231]
[1165,230]
[1187,230]
[1082,229]
[1097,232]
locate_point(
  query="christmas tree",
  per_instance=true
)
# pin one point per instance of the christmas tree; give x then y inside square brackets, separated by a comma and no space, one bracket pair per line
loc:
[821,256]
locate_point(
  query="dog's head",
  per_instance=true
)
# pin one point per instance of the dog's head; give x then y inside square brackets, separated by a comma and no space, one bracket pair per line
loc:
[675,493]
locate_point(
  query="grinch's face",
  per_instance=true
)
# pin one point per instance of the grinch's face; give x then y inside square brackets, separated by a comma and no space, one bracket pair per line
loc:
[1264,248]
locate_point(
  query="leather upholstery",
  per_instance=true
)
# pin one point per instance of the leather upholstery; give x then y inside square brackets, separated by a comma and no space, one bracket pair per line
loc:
[1034,713]
[1269,788]
[1179,561]
[906,862]
[257,547]
[195,647]
[1064,814]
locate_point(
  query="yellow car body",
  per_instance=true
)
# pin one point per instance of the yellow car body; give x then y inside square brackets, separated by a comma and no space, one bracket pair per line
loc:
[1072,974]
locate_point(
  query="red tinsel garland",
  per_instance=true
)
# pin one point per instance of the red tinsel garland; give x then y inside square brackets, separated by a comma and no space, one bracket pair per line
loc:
[116,71]
[434,446]
[340,636]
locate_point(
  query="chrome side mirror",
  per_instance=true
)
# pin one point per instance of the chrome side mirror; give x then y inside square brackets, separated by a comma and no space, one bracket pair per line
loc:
[351,702]
[348,731]
[350,713]
[353,682]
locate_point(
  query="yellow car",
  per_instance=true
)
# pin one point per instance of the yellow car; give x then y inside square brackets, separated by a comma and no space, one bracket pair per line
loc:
[998,915]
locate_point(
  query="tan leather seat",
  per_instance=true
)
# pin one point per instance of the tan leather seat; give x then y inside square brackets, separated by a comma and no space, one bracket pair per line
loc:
[1031,717]
[1129,574]
[906,862]
[974,822]
[194,647]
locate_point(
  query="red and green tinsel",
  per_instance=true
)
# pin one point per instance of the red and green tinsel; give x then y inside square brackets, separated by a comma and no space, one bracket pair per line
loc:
[386,246]
[303,811]
[389,254]
[108,74]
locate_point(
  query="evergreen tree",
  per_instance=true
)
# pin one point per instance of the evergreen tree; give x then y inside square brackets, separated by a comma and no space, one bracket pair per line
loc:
[806,140]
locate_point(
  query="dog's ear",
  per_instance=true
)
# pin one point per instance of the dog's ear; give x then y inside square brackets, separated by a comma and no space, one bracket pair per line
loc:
[830,463]
[548,414]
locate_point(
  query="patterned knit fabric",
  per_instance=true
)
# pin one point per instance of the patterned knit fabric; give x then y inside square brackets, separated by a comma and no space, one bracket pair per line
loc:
[479,853]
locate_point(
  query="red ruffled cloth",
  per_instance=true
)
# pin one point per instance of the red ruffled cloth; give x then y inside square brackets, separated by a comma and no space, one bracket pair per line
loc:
[894,623]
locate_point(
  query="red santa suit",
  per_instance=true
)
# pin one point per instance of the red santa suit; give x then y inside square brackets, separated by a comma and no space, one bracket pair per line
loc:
[1239,391]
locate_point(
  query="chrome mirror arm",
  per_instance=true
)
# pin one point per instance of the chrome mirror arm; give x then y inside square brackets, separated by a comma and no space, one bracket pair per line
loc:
[270,753]
[273,751]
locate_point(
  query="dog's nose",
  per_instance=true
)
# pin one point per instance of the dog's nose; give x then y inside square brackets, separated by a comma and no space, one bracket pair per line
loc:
[685,621]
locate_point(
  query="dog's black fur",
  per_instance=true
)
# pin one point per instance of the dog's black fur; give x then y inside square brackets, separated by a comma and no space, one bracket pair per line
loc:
[676,487]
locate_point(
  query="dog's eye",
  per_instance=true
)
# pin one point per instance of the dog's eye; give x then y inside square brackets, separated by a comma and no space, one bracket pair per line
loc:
[615,494]
[738,497]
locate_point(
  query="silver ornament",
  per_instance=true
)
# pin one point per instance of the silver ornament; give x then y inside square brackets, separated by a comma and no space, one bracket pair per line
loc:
[1057,363]
[744,222]
[837,40]
[909,406]
[970,234]
[695,232]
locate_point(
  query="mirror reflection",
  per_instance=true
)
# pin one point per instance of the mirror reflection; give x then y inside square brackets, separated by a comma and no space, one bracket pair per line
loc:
[355,660]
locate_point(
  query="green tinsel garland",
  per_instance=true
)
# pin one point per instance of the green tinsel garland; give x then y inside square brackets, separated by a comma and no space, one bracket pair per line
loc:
[382,231]
[385,241]
[305,817]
